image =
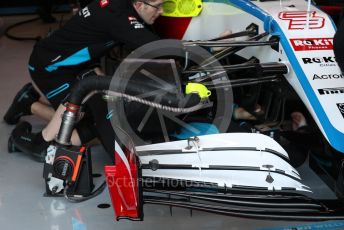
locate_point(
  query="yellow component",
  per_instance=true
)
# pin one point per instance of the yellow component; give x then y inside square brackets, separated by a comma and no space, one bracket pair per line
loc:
[182,8]
[202,90]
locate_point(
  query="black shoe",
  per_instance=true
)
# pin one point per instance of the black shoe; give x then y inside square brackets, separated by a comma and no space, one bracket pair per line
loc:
[21,104]
[30,143]
[10,144]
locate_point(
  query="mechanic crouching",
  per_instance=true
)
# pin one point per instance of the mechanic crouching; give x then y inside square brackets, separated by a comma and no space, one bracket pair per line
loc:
[70,54]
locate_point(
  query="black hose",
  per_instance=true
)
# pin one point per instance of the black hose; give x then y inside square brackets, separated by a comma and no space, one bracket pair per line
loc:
[134,88]
[102,83]
[138,87]
[86,86]
[77,199]
[8,35]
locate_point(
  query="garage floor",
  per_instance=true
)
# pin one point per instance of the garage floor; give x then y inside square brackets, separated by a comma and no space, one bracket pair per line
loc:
[23,206]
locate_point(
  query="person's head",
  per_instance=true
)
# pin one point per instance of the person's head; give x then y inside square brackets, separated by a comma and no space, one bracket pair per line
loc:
[148,10]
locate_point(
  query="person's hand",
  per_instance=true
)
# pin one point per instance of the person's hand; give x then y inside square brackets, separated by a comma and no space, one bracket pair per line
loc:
[298,120]
[240,113]
[99,72]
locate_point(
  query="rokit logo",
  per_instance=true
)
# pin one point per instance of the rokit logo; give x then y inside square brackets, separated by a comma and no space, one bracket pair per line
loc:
[341,108]
[332,91]
[322,61]
[306,44]
[299,20]
[327,76]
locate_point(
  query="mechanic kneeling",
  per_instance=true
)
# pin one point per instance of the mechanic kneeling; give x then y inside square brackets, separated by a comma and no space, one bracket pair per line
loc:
[69,54]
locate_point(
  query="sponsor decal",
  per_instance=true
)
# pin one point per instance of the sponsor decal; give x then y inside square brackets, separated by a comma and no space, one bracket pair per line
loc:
[327,76]
[135,23]
[299,20]
[86,12]
[104,3]
[322,61]
[341,108]
[25,138]
[306,44]
[326,91]
[57,58]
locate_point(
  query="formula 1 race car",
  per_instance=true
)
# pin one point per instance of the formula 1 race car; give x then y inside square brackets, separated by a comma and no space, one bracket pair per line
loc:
[278,59]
